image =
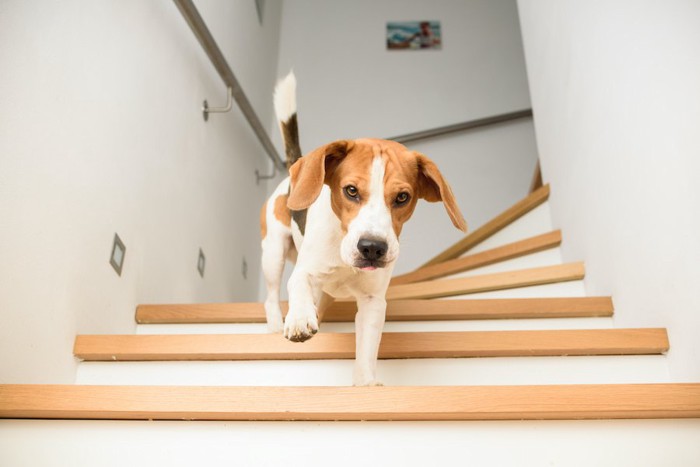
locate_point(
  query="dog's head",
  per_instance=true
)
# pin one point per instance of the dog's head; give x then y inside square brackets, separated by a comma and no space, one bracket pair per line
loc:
[374,185]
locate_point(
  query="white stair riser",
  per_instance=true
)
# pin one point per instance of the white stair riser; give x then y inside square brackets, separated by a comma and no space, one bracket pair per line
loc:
[604,443]
[391,326]
[536,222]
[558,289]
[548,257]
[410,372]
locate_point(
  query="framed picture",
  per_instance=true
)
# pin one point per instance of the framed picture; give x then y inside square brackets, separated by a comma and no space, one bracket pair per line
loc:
[413,35]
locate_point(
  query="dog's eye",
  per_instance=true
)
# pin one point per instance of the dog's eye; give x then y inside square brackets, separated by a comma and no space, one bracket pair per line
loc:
[351,192]
[402,198]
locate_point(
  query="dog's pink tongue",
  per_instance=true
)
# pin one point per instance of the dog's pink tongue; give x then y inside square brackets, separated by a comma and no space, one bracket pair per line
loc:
[368,268]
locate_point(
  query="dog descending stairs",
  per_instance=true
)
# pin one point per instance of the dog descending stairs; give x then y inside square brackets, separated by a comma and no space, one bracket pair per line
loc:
[563,386]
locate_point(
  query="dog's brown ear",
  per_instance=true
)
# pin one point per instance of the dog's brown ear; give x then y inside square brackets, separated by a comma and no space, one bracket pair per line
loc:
[433,187]
[308,174]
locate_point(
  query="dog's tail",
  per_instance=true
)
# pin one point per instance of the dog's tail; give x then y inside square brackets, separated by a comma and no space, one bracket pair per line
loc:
[286,111]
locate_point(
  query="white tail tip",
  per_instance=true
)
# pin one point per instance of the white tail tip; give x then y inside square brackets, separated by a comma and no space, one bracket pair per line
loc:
[286,97]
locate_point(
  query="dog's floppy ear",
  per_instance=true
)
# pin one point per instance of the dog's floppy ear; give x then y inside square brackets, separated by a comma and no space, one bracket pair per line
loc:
[433,187]
[308,174]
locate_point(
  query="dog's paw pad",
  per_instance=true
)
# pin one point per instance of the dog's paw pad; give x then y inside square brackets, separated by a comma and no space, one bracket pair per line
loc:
[300,329]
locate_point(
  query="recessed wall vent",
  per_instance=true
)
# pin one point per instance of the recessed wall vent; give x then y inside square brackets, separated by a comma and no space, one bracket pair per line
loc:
[118,253]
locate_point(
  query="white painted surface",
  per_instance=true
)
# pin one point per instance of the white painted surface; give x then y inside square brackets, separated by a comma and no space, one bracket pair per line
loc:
[389,326]
[559,289]
[617,104]
[350,86]
[101,132]
[544,258]
[414,372]
[605,443]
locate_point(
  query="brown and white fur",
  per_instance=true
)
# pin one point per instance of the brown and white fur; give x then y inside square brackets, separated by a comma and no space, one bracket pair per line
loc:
[338,216]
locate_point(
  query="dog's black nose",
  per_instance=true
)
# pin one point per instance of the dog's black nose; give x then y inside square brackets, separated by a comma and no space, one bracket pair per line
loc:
[372,249]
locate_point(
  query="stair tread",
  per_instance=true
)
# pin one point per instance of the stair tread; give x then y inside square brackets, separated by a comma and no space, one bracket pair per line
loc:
[488,282]
[393,345]
[351,403]
[508,216]
[502,253]
[397,310]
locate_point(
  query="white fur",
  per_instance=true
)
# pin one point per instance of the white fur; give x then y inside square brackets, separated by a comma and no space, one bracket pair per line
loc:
[286,97]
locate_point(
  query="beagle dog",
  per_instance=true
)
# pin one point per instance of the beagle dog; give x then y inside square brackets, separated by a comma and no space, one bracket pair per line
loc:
[338,216]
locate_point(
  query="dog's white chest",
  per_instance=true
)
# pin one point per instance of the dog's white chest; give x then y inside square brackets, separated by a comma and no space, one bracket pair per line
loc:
[345,282]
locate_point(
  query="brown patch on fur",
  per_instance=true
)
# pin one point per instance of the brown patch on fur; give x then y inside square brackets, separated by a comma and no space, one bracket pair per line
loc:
[344,163]
[281,211]
[263,220]
[435,188]
[290,134]
[299,218]
[309,173]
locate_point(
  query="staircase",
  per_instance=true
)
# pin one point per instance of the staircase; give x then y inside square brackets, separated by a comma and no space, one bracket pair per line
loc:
[562,386]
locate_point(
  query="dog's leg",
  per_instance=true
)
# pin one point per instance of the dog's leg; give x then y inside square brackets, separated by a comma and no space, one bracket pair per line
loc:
[369,322]
[301,322]
[274,252]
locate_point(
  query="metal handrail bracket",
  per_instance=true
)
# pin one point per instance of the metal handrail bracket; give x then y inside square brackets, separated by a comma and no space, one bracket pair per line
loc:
[206,110]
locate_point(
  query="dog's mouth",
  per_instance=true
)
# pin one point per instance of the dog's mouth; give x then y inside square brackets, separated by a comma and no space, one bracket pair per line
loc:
[369,265]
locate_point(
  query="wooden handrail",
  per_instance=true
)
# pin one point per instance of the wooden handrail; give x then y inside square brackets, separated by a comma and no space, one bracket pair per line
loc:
[201,31]
[471,124]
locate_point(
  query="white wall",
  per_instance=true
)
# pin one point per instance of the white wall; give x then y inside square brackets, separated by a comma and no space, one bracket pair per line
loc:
[617,109]
[350,86]
[101,132]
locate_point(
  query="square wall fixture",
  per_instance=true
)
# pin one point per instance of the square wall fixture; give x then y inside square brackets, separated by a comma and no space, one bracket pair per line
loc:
[118,254]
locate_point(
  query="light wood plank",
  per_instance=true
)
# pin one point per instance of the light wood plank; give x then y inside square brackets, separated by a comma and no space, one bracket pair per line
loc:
[393,345]
[561,402]
[508,216]
[240,312]
[487,282]
[495,255]
[397,310]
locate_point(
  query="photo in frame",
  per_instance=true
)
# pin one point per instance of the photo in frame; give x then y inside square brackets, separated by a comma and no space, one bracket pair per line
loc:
[413,35]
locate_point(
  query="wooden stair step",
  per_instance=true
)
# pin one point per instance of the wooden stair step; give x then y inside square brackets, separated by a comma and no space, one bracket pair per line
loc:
[488,282]
[510,251]
[397,310]
[561,402]
[393,345]
[507,217]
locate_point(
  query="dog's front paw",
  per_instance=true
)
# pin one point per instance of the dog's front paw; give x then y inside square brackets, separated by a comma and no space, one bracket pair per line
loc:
[300,327]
